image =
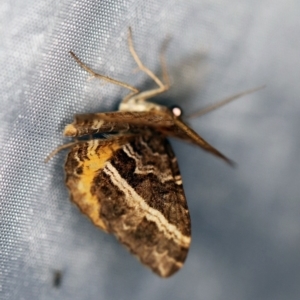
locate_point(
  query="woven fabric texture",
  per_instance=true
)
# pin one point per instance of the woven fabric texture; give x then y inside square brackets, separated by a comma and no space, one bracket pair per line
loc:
[245,221]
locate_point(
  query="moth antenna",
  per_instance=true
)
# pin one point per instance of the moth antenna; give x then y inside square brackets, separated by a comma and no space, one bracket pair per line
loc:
[212,107]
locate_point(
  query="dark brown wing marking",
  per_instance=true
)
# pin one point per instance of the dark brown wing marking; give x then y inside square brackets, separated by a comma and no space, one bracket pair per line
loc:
[136,194]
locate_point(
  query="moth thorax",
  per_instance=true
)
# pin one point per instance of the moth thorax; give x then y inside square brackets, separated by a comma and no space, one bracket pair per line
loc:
[140,105]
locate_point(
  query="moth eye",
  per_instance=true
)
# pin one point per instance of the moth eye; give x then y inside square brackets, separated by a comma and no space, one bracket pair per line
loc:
[176,110]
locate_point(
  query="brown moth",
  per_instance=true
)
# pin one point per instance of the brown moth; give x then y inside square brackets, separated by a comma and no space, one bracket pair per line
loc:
[128,183]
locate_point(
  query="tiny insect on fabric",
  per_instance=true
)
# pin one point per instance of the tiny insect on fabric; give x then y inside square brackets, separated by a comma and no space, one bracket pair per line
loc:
[128,182]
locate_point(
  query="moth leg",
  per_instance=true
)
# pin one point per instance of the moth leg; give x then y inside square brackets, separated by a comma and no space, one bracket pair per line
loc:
[58,149]
[162,87]
[138,61]
[106,78]
[163,63]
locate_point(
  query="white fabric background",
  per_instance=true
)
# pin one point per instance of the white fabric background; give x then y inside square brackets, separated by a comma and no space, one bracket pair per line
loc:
[245,221]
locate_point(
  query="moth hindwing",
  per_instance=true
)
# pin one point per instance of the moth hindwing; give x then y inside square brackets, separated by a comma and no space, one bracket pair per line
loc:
[129,183]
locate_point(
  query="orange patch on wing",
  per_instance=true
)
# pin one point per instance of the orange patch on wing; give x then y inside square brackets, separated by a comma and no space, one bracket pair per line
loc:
[81,188]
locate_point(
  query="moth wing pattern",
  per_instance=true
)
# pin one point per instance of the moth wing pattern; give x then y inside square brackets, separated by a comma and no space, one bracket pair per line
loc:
[131,186]
[128,183]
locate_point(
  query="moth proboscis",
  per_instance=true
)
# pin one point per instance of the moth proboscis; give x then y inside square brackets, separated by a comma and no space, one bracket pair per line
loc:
[129,183]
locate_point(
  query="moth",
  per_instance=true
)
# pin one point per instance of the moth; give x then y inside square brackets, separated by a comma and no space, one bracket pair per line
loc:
[128,182]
